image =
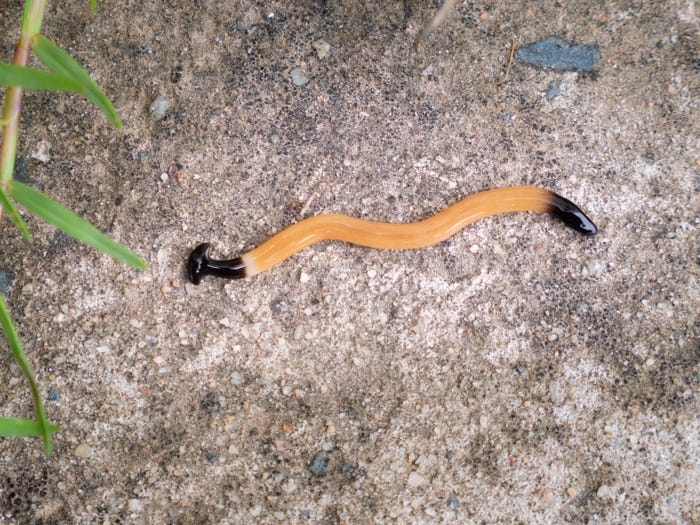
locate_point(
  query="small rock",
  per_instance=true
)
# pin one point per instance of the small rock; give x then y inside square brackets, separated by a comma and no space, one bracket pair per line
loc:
[452,502]
[299,77]
[318,465]
[553,89]
[135,505]
[322,48]
[572,492]
[289,486]
[604,492]
[416,480]
[6,278]
[555,54]
[41,153]
[547,496]
[82,451]
[160,106]
[556,392]
[53,395]
[236,378]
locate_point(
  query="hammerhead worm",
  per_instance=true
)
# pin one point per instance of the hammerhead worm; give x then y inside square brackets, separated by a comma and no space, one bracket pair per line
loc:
[435,229]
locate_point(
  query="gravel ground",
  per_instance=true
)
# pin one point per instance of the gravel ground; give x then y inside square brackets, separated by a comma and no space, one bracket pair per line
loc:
[516,373]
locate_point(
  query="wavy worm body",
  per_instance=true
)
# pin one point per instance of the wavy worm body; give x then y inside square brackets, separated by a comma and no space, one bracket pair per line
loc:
[385,235]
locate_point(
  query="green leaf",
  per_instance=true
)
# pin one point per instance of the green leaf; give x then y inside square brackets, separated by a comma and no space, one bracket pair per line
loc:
[93,5]
[25,367]
[10,426]
[68,221]
[13,214]
[61,62]
[30,78]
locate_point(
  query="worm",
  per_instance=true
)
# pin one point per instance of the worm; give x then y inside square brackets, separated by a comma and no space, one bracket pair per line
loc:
[383,235]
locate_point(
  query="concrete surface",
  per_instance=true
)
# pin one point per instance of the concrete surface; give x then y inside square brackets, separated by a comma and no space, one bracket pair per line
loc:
[517,373]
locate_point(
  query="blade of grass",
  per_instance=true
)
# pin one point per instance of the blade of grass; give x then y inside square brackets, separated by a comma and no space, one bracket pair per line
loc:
[25,367]
[13,214]
[69,222]
[61,62]
[93,5]
[30,78]
[10,426]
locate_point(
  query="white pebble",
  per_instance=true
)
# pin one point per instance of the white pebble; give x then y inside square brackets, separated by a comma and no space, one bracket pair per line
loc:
[135,505]
[322,48]
[416,480]
[82,451]
[304,278]
[604,492]
[160,106]
[299,77]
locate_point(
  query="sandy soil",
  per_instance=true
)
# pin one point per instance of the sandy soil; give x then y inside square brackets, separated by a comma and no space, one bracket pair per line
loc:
[517,373]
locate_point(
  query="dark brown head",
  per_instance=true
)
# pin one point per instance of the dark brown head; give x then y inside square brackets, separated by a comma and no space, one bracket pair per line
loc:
[200,264]
[197,265]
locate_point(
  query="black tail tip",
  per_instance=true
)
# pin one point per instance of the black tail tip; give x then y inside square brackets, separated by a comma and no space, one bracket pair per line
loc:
[572,215]
[198,263]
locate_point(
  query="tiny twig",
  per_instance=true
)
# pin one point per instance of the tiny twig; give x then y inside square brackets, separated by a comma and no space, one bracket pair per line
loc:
[436,21]
[305,207]
[510,59]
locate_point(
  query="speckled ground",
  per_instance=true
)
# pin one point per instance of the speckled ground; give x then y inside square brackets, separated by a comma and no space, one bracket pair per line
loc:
[517,373]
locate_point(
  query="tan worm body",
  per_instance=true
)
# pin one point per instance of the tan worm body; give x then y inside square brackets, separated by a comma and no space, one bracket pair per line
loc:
[393,236]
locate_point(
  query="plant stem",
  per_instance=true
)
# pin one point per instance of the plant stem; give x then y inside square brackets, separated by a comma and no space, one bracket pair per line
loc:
[31,24]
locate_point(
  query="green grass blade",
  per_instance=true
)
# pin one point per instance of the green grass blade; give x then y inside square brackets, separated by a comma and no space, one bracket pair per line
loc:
[61,62]
[68,221]
[93,5]
[13,214]
[30,78]
[10,426]
[25,367]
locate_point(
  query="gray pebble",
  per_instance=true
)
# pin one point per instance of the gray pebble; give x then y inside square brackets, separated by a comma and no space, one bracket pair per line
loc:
[553,53]
[553,89]
[299,77]
[160,106]
[53,395]
[6,278]
[452,502]
[318,465]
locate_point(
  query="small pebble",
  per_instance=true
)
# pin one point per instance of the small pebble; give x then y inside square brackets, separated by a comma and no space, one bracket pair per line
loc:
[41,153]
[322,48]
[555,54]
[135,505]
[452,503]
[53,395]
[547,496]
[604,492]
[6,278]
[556,392]
[416,480]
[160,106]
[299,77]
[572,492]
[553,89]
[82,451]
[318,465]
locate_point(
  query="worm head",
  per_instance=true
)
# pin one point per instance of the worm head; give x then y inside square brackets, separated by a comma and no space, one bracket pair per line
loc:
[198,264]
